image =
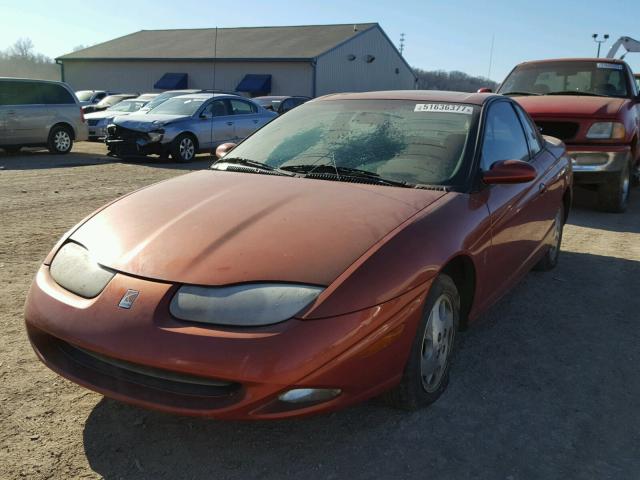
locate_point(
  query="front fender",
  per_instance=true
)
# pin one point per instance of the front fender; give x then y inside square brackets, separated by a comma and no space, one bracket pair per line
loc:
[409,256]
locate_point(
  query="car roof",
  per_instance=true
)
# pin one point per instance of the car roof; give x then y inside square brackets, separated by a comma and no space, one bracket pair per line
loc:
[413,95]
[585,59]
[271,97]
[185,91]
[205,96]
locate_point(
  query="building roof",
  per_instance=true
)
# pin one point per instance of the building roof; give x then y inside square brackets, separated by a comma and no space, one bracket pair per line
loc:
[247,43]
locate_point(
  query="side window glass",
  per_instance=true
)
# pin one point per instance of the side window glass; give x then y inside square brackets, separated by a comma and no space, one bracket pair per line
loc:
[217,109]
[238,107]
[530,131]
[287,105]
[9,93]
[503,136]
[53,94]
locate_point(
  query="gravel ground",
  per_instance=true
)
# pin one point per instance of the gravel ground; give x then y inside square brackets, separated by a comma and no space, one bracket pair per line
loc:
[545,386]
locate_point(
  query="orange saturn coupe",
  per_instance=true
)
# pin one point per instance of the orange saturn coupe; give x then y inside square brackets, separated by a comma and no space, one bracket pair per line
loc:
[328,258]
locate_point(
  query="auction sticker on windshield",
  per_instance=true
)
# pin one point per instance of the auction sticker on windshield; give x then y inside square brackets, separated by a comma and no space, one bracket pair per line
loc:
[443,108]
[611,66]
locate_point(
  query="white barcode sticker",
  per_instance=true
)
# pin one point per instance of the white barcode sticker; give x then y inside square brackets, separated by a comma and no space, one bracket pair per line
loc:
[611,66]
[443,108]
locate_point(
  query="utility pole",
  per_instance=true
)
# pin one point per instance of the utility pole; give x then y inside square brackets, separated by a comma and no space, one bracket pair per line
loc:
[493,39]
[401,43]
[599,42]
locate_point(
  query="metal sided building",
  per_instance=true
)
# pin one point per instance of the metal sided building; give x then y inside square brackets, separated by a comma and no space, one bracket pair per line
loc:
[308,60]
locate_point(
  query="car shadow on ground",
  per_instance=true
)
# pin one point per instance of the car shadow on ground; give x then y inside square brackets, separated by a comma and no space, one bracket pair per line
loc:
[585,213]
[41,159]
[545,385]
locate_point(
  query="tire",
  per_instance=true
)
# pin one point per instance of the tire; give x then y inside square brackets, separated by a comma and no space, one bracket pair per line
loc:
[550,259]
[426,374]
[60,140]
[184,148]
[12,150]
[613,196]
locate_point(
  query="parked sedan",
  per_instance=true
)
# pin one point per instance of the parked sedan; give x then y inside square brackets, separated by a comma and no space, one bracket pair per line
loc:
[98,121]
[107,102]
[90,97]
[329,258]
[280,104]
[186,124]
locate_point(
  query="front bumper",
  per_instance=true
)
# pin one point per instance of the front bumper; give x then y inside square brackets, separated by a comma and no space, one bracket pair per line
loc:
[123,141]
[593,164]
[361,353]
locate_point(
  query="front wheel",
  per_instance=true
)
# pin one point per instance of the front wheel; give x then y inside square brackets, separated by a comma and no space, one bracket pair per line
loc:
[550,259]
[426,374]
[60,140]
[613,196]
[184,148]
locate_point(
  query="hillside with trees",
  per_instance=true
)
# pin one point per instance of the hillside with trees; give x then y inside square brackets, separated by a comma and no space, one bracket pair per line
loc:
[20,60]
[454,81]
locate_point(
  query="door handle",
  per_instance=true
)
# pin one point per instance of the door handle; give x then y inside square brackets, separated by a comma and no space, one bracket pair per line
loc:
[11,112]
[229,123]
[255,121]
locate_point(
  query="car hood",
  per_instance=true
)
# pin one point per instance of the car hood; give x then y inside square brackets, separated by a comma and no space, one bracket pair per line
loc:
[570,105]
[214,228]
[146,122]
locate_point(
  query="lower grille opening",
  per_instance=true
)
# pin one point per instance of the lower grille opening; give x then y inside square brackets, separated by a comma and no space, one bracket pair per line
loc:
[134,382]
[147,376]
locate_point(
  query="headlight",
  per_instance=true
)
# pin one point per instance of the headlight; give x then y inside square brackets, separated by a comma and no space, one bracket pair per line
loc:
[606,130]
[247,305]
[74,269]
[156,135]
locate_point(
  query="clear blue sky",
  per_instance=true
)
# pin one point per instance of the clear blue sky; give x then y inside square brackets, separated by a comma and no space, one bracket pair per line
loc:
[440,34]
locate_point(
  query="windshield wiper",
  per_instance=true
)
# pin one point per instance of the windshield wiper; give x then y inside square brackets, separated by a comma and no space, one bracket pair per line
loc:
[576,92]
[337,171]
[250,164]
[247,162]
[521,93]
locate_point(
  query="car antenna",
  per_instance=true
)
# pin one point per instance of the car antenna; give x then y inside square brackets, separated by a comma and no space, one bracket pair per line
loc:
[215,60]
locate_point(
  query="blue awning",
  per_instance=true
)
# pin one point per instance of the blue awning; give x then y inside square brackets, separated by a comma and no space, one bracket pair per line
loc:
[255,83]
[171,81]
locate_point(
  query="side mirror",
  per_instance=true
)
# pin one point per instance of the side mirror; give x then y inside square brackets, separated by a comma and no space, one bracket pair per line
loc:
[223,149]
[485,90]
[509,171]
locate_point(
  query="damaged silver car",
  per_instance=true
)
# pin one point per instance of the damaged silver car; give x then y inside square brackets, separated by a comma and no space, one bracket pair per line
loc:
[185,125]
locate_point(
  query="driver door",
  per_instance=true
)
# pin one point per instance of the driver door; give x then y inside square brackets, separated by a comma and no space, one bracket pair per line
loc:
[517,221]
[214,125]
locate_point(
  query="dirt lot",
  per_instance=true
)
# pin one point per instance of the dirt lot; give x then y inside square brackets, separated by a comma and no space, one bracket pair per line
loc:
[545,386]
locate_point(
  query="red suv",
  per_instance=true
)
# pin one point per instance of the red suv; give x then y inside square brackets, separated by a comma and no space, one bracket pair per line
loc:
[592,105]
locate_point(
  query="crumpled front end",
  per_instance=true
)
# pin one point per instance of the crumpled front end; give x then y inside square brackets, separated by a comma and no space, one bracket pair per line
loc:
[123,141]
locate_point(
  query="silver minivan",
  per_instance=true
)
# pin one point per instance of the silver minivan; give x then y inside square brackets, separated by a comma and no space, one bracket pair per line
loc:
[39,113]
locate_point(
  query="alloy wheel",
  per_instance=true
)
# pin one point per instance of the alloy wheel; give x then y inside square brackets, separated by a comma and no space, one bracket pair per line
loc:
[557,236]
[437,343]
[187,148]
[62,141]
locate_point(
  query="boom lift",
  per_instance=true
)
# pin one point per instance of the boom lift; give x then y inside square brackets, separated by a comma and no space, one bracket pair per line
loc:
[628,43]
